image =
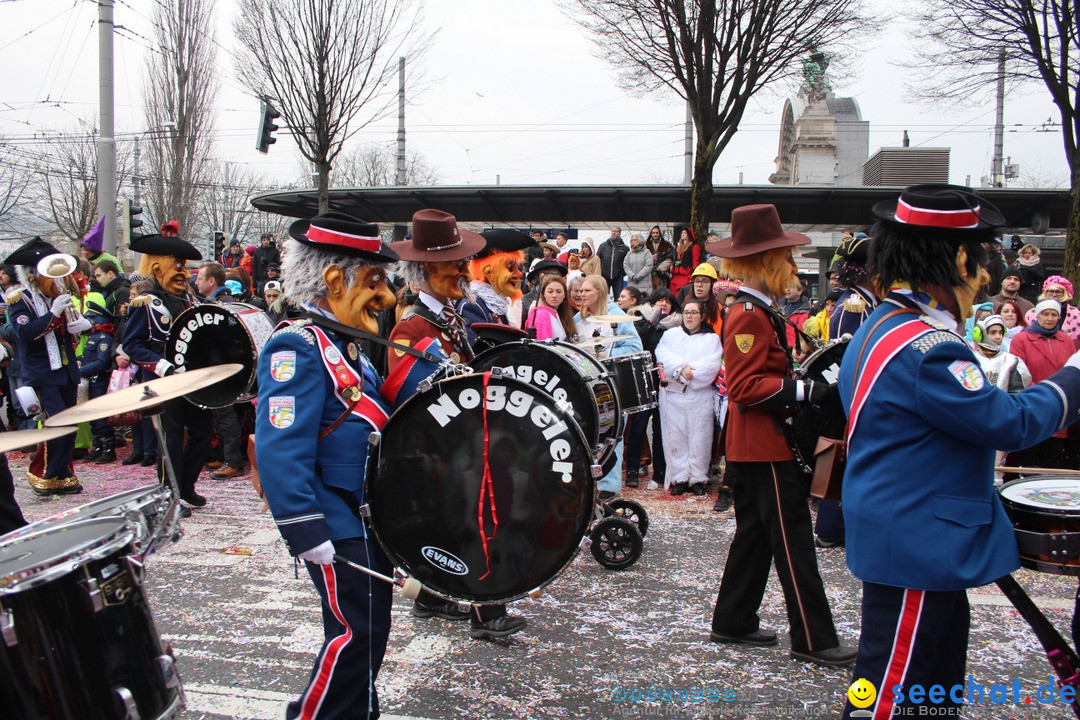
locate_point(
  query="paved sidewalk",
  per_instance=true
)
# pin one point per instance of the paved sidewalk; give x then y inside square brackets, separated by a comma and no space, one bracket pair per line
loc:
[245,629]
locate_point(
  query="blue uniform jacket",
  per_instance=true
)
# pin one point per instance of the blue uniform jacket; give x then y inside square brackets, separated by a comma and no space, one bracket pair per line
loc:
[147,329]
[919,502]
[30,330]
[844,319]
[477,311]
[312,487]
[97,358]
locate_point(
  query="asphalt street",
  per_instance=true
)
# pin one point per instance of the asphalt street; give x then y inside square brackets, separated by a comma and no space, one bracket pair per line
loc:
[245,629]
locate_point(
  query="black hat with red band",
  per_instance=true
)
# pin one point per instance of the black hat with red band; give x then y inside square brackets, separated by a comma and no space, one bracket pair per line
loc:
[343,234]
[952,209]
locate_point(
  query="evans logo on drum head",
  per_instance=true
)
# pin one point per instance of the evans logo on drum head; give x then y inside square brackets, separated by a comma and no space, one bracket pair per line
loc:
[444,561]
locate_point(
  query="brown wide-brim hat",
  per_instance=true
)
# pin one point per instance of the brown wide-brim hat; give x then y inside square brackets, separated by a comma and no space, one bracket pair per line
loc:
[755,229]
[437,238]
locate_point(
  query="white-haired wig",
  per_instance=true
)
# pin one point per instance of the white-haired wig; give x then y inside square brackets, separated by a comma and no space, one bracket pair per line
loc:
[303,266]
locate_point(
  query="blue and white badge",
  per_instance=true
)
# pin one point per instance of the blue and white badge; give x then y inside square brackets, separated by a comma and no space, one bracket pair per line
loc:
[283,365]
[968,374]
[282,411]
[22,319]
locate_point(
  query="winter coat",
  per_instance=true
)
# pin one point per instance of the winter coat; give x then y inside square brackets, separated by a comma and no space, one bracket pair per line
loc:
[612,254]
[638,265]
[1043,355]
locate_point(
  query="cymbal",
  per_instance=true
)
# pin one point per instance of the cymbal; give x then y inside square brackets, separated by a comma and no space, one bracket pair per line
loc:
[603,340]
[612,318]
[144,395]
[22,438]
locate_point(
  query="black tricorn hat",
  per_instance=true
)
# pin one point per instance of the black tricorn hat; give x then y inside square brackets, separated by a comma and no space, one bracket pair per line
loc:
[505,240]
[341,233]
[30,252]
[952,209]
[544,265]
[93,308]
[167,245]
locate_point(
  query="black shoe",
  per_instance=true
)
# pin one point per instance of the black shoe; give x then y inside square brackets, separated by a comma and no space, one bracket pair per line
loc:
[82,454]
[632,481]
[447,611]
[70,490]
[758,638]
[132,459]
[698,489]
[106,457]
[604,495]
[827,543]
[497,628]
[723,500]
[149,460]
[680,488]
[193,499]
[839,655]
[185,511]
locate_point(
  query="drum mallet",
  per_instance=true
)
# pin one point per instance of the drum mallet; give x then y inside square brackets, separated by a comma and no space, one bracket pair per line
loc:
[410,587]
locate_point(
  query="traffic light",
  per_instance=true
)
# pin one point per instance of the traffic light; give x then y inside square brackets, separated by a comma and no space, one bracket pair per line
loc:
[267,127]
[219,244]
[129,215]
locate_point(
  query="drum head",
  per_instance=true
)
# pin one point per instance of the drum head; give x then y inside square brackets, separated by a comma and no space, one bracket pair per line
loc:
[113,506]
[565,372]
[1054,494]
[30,560]
[215,334]
[470,534]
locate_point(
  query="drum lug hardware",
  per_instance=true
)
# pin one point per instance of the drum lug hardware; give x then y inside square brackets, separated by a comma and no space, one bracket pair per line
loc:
[374,438]
[137,568]
[94,592]
[496,372]
[7,628]
[364,511]
[131,712]
[597,471]
[167,666]
[565,406]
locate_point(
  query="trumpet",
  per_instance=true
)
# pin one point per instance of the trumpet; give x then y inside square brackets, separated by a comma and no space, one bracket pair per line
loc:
[60,266]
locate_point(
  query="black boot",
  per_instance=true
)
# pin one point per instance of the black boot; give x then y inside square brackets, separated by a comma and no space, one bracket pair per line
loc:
[107,455]
[132,459]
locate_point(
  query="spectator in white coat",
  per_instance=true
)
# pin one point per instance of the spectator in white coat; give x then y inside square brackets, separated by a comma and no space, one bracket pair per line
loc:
[691,357]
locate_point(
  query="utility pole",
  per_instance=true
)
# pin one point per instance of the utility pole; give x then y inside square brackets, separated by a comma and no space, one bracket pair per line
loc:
[688,150]
[106,147]
[399,176]
[997,172]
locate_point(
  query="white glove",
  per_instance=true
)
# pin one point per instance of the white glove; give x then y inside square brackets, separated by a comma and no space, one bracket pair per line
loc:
[1074,360]
[60,304]
[3,353]
[79,326]
[320,554]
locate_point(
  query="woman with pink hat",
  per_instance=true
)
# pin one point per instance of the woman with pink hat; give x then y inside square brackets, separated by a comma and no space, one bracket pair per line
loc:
[1060,289]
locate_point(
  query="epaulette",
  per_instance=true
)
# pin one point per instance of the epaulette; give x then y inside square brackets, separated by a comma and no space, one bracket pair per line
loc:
[855,303]
[297,327]
[934,322]
[13,296]
[924,343]
[142,300]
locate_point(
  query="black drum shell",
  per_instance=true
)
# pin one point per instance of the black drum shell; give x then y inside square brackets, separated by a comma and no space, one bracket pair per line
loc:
[1063,522]
[424,483]
[636,380]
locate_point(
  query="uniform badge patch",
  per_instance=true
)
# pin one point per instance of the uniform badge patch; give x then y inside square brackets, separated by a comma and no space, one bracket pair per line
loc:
[404,341]
[332,355]
[22,319]
[968,374]
[744,343]
[354,352]
[283,365]
[103,347]
[282,411]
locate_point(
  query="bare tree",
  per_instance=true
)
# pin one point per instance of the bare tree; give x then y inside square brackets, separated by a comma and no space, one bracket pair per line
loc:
[715,55]
[13,184]
[376,166]
[327,64]
[226,205]
[960,44]
[179,93]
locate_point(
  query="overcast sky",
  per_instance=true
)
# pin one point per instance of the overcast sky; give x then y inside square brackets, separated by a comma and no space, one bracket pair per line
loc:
[518,98]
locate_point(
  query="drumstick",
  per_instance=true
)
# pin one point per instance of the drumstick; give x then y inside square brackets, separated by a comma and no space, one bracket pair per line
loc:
[1036,470]
[410,587]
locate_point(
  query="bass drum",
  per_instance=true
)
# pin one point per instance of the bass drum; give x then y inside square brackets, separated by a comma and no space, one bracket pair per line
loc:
[77,639]
[826,419]
[480,489]
[215,334]
[571,376]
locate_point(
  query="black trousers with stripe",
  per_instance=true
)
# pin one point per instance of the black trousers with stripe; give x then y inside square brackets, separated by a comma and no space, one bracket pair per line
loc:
[911,637]
[772,524]
[356,626]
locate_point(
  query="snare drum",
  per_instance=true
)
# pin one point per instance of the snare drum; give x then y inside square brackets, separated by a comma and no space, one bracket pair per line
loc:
[570,375]
[77,639]
[480,500]
[215,334]
[1045,512]
[635,378]
[144,507]
[826,419]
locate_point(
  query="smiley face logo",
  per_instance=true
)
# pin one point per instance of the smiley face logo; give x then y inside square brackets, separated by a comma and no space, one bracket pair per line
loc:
[862,692]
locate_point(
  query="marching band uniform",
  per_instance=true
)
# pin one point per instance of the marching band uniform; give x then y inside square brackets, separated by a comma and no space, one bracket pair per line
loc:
[46,352]
[318,405]
[919,393]
[851,311]
[425,318]
[149,318]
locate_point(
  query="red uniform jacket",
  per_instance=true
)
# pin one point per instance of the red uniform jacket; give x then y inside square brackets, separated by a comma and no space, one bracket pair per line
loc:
[414,328]
[760,388]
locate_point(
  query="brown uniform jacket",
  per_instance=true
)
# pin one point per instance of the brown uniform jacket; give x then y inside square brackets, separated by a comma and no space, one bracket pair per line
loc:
[757,370]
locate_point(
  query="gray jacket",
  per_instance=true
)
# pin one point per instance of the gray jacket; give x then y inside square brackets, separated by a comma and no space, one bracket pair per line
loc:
[638,265]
